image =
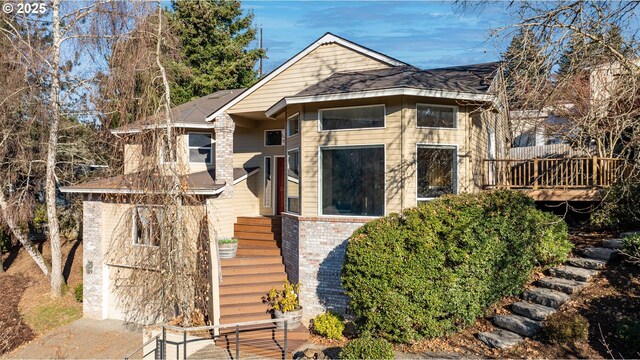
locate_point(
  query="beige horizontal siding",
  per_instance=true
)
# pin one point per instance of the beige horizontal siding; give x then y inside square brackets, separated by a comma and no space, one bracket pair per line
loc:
[245,198]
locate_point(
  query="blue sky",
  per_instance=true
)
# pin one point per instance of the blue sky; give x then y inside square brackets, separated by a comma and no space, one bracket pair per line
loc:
[422,33]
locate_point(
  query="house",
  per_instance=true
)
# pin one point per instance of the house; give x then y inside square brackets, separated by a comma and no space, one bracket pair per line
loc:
[336,136]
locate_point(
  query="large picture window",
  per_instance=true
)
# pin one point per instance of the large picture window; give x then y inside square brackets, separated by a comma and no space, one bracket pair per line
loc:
[200,148]
[146,225]
[293,181]
[360,117]
[437,171]
[437,116]
[353,181]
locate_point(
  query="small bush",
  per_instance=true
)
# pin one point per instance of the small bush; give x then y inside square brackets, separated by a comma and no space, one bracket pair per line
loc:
[631,248]
[78,292]
[329,325]
[618,209]
[628,331]
[565,328]
[367,347]
[435,268]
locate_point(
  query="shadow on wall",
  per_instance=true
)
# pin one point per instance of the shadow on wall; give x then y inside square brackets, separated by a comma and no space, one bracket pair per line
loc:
[329,289]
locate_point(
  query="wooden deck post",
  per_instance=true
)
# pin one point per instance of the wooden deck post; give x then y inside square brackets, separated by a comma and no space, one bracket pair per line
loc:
[535,173]
[594,170]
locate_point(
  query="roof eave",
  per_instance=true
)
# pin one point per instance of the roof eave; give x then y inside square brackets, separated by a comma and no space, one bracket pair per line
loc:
[73,190]
[162,126]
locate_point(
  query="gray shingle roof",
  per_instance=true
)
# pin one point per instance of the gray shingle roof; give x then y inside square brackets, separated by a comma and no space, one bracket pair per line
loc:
[474,79]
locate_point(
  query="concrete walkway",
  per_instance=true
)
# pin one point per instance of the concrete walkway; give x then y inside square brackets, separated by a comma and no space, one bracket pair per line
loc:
[83,339]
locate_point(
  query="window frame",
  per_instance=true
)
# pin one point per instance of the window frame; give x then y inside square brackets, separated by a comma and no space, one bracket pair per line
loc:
[320,176]
[384,118]
[456,176]
[456,111]
[134,227]
[282,137]
[289,128]
[297,149]
[212,151]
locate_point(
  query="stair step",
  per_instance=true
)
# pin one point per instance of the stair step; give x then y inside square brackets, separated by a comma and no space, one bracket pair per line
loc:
[251,260]
[600,253]
[518,324]
[236,309]
[237,289]
[546,297]
[612,243]
[242,298]
[252,251]
[257,228]
[261,220]
[232,319]
[253,278]
[255,236]
[500,338]
[587,263]
[629,233]
[567,286]
[246,243]
[252,269]
[572,273]
[531,310]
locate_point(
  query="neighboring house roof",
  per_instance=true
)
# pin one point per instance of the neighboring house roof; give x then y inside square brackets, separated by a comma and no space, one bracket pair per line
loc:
[191,114]
[325,39]
[199,183]
[468,82]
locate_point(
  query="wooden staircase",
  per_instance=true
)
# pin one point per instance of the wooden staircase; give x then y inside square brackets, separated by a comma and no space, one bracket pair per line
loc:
[257,268]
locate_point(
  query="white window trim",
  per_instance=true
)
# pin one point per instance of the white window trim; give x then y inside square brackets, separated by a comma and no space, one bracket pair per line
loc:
[274,184]
[455,170]
[212,152]
[282,133]
[456,111]
[134,226]
[384,118]
[264,182]
[289,129]
[297,181]
[350,146]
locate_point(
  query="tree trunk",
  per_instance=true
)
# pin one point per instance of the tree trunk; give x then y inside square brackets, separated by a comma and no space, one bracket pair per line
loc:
[22,238]
[50,185]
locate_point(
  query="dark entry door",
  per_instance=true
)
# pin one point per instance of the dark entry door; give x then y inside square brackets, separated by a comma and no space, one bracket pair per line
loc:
[280,186]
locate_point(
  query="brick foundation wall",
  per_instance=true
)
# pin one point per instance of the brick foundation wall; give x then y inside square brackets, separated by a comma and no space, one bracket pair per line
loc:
[321,246]
[92,257]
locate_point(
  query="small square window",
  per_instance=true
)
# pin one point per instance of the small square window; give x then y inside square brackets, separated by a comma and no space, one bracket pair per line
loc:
[293,125]
[200,148]
[273,138]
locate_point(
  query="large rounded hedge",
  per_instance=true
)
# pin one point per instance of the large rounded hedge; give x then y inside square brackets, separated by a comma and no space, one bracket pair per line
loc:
[435,268]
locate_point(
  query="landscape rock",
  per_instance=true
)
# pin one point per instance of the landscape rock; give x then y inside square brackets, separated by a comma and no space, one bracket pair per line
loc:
[612,243]
[518,324]
[546,297]
[531,310]
[599,253]
[500,338]
[567,286]
[587,263]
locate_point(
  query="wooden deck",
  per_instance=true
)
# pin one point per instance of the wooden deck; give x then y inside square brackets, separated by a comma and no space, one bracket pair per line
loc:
[554,179]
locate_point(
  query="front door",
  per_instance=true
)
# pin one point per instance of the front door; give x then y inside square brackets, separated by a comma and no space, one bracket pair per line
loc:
[280,178]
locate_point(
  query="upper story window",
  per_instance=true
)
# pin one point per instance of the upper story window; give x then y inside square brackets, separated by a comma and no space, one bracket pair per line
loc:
[437,116]
[293,181]
[293,125]
[359,117]
[273,137]
[200,148]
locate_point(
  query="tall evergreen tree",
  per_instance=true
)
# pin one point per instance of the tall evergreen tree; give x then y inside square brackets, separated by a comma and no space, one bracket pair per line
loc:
[215,37]
[526,68]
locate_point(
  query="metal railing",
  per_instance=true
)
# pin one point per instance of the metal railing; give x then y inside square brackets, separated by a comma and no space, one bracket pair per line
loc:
[206,333]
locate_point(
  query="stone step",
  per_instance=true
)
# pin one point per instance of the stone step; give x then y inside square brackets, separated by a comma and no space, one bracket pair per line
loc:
[600,253]
[546,297]
[629,233]
[612,243]
[531,310]
[572,273]
[587,263]
[518,324]
[500,338]
[567,286]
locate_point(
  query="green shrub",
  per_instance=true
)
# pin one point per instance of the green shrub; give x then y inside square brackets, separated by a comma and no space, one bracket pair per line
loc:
[631,248]
[367,347]
[329,325]
[628,331]
[78,292]
[565,328]
[618,209]
[435,268]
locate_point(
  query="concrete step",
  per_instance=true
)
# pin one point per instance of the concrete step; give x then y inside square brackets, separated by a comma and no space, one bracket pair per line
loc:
[242,260]
[629,233]
[236,289]
[567,286]
[267,228]
[518,324]
[587,263]
[255,251]
[253,278]
[500,338]
[242,298]
[531,310]
[546,297]
[252,269]
[573,273]
[259,220]
[612,243]
[599,253]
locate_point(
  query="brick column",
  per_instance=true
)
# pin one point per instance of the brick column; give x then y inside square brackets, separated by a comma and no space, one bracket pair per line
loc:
[93,272]
[224,127]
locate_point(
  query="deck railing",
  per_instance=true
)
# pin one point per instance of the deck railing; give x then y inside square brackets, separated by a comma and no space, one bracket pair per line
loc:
[552,173]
